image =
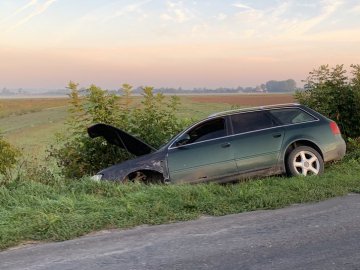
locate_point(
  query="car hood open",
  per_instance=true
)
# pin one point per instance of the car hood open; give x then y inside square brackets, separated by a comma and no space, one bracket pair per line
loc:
[120,138]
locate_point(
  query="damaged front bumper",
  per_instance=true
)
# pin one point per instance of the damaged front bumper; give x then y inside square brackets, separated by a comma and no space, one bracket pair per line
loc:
[97,177]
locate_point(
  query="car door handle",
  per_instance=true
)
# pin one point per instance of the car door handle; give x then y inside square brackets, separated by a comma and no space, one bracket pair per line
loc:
[277,135]
[224,145]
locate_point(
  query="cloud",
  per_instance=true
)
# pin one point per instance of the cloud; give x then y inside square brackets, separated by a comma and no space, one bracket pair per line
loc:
[247,13]
[176,12]
[279,21]
[39,10]
[20,10]
[242,6]
[110,11]
[281,9]
[355,9]
[128,9]
[328,8]
[200,29]
[221,17]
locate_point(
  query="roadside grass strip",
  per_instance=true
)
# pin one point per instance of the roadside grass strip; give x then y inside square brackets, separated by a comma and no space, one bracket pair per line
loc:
[64,209]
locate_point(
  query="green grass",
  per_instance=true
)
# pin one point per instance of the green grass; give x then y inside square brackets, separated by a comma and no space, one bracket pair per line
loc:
[52,209]
[197,110]
[64,209]
[33,130]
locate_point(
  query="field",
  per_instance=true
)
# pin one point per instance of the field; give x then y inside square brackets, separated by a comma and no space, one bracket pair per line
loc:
[246,99]
[28,105]
[31,124]
[46,206]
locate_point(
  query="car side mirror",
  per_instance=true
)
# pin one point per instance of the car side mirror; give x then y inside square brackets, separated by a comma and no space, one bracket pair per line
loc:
[183,140]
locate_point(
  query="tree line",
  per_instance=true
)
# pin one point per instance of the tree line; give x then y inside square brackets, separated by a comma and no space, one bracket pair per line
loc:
[273,86]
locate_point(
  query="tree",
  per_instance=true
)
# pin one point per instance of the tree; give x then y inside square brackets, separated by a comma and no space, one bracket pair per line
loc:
[329,91]
[155,122]
[281,86]
[8,157]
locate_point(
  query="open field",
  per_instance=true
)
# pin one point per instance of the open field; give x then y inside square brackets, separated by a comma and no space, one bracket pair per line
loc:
[246,99]
[28,105]
[48,207]
[31,124]
[33,132]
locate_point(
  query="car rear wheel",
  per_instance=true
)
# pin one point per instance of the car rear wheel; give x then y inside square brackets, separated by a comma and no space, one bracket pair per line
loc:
[304,160]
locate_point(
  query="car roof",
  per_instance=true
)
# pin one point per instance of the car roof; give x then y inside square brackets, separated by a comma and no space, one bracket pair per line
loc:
[275,106]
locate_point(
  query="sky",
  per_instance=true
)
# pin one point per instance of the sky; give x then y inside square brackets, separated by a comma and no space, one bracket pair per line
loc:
[227,43]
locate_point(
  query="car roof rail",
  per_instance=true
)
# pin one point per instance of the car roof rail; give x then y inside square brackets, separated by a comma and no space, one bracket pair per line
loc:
[253,109]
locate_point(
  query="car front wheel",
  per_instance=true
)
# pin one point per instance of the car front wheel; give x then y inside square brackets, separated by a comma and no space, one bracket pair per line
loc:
[304,160]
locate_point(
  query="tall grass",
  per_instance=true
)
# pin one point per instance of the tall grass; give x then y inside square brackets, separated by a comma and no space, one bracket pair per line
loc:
[60,209]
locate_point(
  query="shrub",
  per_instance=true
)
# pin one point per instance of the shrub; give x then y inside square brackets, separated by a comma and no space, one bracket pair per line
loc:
[331,92]
[8,158]
[353,149]
[154,121]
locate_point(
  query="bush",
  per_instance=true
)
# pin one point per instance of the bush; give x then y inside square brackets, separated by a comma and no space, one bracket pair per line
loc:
[8,158]
[153,121]
[331,92]
[353,149]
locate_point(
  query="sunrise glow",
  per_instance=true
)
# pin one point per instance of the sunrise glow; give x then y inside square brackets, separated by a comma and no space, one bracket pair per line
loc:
[46,43]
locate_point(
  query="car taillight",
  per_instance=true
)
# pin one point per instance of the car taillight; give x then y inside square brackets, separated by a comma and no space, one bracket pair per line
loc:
[334,128]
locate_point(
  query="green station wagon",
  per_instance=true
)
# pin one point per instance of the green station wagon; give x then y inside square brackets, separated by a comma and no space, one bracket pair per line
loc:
[232,145]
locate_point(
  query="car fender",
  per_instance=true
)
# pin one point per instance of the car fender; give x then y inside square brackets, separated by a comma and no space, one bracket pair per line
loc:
[151,162]
[289,141]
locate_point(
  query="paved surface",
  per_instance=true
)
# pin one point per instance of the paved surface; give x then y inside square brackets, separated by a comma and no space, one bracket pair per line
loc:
[324,235]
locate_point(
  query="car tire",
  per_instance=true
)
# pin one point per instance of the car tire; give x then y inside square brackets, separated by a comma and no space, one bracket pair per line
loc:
[141,177]
[304,160]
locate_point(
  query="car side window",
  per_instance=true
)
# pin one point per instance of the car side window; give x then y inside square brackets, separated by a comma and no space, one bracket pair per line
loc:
[291,116]
[211,129]
[251,121]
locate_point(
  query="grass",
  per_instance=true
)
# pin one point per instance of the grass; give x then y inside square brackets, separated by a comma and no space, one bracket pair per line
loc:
[45,207]
[31,124]
[63,209]
[33,132]
[9,107]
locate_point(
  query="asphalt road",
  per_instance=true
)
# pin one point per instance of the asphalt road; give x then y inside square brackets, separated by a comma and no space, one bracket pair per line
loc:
[323,235]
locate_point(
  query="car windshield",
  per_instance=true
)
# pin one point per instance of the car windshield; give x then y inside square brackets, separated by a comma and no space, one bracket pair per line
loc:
[172,138]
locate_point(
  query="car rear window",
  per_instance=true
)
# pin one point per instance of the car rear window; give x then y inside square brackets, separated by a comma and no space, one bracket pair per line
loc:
[288,116]
[251,121]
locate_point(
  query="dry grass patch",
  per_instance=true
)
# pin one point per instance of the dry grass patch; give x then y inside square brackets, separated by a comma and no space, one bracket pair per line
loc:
[246,99]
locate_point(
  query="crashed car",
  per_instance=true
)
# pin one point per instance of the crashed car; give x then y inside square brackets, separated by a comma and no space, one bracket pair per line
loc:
[232,145]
